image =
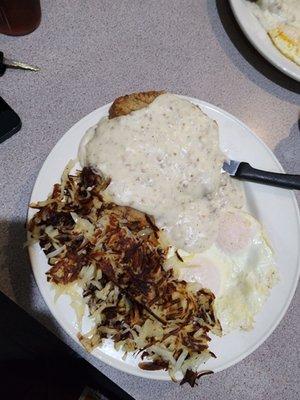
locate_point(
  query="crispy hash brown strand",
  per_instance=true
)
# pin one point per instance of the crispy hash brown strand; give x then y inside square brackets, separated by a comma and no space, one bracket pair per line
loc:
[115,255]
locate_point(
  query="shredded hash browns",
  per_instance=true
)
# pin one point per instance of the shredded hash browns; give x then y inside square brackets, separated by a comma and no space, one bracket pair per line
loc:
[116,255]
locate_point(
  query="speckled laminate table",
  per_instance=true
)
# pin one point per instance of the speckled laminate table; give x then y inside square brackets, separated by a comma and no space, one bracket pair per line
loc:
[90,52]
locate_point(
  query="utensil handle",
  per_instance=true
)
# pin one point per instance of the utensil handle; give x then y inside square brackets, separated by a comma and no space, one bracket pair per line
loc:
[288,181]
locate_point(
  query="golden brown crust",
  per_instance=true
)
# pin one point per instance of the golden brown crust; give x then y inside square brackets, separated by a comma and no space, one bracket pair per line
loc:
[131,102]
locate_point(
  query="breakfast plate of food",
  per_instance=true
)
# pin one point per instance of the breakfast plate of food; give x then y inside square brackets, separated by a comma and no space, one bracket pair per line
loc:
[273,28]
[147,252]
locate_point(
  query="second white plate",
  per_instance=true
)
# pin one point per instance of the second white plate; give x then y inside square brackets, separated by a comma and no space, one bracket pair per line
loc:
[275,208]
[261,41]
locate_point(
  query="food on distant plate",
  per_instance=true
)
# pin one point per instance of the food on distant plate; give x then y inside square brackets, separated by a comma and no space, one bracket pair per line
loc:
[281,20]
[157,239]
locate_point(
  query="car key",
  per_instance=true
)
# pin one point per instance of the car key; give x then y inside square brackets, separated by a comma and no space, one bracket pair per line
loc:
[7,63]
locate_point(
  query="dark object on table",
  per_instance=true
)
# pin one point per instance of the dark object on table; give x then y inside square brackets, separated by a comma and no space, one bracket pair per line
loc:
[19,17]
[36,365]
[10,122]
[90,394]
[243,170]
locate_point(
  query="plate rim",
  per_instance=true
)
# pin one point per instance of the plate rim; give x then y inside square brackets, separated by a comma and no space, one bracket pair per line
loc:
[284,66]
[109,360]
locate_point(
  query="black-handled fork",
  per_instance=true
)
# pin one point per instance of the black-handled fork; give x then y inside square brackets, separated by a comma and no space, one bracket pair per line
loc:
[243,170]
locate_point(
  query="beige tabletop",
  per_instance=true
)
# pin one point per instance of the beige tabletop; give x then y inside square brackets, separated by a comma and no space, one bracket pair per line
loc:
[92,51]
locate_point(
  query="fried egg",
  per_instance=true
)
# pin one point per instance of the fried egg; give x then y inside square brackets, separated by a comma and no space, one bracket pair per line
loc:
[281,20]
[239,268]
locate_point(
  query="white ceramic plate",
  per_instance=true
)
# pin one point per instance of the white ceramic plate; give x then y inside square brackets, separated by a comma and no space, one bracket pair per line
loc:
[261,41]
[275,208]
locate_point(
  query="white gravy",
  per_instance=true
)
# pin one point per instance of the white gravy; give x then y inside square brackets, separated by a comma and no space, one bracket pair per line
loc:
[165,160]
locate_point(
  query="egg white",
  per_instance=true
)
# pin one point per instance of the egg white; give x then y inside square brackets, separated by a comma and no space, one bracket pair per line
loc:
[239,268]
[281,20]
